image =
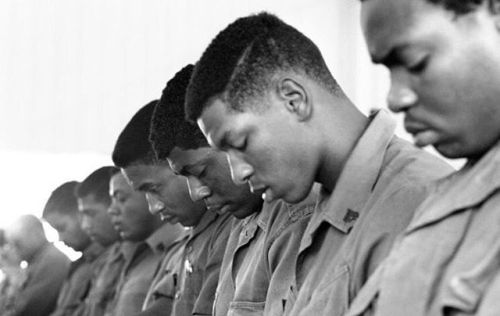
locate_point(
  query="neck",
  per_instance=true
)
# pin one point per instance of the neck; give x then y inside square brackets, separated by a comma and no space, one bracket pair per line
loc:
[342,126]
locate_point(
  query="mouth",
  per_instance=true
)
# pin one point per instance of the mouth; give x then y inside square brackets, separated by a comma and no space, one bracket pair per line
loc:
[171,219]
[220,209]
[422,134]
[264,191]
[213,207]
[268,195]
[255,188]
[93,236]
[117,226]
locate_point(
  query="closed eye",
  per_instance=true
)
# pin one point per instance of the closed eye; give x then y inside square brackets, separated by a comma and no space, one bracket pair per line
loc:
[419,66]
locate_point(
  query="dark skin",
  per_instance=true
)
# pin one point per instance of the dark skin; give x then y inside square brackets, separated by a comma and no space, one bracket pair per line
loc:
[209,179]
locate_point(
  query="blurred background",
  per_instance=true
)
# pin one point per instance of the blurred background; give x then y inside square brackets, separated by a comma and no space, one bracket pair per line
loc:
[72,73]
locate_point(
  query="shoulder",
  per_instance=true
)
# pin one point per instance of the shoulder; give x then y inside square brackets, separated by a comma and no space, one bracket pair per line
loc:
[409,164]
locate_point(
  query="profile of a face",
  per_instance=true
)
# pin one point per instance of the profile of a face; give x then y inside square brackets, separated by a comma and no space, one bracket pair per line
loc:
[445,72]
[263,148]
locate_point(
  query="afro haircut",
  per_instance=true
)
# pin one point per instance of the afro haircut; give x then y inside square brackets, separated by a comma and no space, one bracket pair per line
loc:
[133,144]
[459,6]
[97,185]
[62,200]
[169,127]
[240,61]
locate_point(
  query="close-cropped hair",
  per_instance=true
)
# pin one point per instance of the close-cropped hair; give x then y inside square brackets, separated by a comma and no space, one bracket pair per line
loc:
[133,146]
[62,200]
[169,127]
[459,6]
[242,59]
[97,185]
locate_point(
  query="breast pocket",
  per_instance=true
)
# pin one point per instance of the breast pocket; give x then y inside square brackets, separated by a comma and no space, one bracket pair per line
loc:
[246,308]
[332,296]
[192,287]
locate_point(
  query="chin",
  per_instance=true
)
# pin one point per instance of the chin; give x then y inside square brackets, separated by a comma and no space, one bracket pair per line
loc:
[454,151]
[294,197]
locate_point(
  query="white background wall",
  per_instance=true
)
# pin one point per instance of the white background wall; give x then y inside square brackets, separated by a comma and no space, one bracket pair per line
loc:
[73,72]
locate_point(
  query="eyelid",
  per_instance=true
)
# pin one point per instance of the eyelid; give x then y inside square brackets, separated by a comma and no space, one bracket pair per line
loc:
[419,65]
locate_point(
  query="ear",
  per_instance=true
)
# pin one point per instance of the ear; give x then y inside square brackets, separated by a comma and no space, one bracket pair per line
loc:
[295,98]
[494,7]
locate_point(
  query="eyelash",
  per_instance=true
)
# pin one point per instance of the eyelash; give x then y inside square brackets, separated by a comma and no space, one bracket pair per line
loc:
[419,66]
[202,173]
[242,146]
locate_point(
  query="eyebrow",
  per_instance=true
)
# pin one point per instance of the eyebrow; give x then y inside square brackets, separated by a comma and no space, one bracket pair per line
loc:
[86,211]
[145,187]
[393,57]
[223,142]
[116,192]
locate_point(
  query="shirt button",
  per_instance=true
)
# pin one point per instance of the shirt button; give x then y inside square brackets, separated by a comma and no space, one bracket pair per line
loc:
[189,249]
[177,296]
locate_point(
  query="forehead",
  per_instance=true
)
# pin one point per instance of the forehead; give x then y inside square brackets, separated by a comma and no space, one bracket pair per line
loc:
[390,23]
[119,182]
[57,219]
[89,202]
[215,120]
[180,158]
[140,174]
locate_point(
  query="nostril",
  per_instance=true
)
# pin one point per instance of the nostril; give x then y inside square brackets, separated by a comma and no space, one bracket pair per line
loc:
[400,99]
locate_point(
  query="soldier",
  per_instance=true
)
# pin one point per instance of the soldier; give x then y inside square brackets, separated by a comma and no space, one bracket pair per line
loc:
[445,71]
[263,93]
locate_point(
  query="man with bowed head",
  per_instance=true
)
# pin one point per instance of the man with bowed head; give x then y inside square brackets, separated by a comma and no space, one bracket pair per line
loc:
[258,263]
[263,93]
[443,56]
[188,275]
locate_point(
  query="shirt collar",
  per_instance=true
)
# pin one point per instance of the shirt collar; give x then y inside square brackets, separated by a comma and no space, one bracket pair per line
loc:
[164,237]
[129,248]
[262,217]
[93,251]
[38,253]
[461,190]
[342,207]
[207,218]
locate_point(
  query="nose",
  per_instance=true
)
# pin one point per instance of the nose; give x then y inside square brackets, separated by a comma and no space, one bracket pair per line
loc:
[401,96]
[240,170]
[113,210]
[86,224]
[155,205]
[197,190]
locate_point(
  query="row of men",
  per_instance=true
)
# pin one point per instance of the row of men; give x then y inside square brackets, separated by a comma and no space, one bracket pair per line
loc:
[388,229]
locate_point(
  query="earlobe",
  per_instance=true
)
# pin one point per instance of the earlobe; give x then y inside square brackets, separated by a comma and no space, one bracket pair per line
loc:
[295,98]
[494,6]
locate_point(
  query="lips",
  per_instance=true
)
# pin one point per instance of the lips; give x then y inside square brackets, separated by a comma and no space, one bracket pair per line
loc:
[213,207]
[117,225]
[256,188]
[171,219]
[268,195]
[422,134]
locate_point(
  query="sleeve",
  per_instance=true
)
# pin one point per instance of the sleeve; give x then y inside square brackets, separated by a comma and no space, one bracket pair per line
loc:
[205,300]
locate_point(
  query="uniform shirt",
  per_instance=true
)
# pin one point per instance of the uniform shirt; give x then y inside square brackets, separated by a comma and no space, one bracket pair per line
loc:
[201,263]
[445,259]
[46,273]
[77,284]
[142,260]
[165,283]
[259,260]
[489,305]
[353,227]
[104,280]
